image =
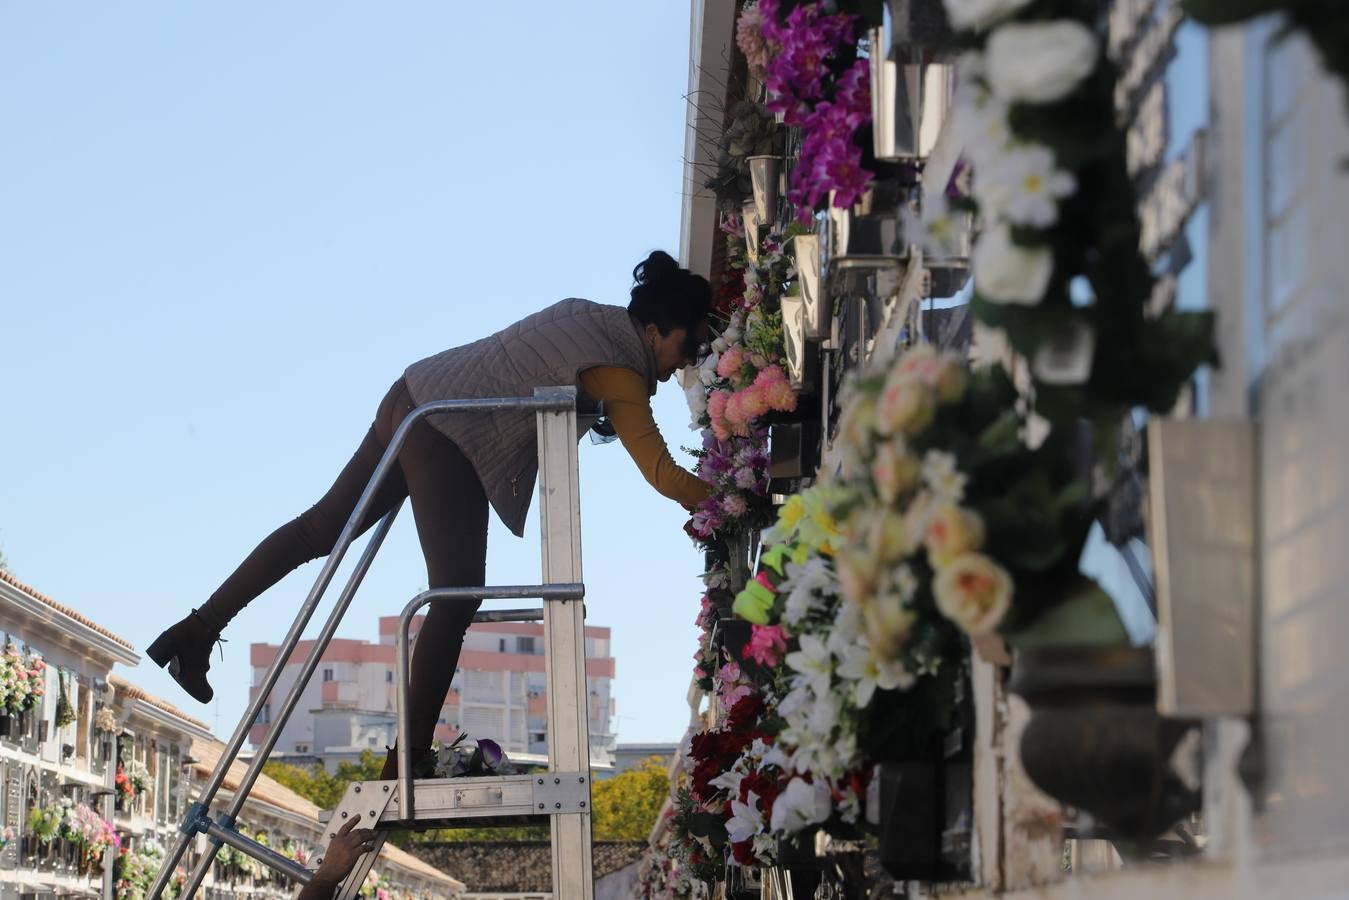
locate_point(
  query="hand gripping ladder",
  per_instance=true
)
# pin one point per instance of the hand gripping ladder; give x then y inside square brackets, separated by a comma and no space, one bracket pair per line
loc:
[562,795]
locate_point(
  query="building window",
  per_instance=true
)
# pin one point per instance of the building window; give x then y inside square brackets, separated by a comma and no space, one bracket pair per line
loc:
[264,715]
[327,674]
[388,676]
[524,645]
[501,645]
[301,748]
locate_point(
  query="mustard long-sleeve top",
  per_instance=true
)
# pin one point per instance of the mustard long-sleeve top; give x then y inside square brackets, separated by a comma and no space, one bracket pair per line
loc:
[623,393]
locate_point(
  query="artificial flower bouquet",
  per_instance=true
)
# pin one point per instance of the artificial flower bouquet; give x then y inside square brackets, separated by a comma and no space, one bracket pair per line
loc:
[1058,266]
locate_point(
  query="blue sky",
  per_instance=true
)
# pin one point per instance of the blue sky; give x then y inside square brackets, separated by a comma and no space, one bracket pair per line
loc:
[225,230]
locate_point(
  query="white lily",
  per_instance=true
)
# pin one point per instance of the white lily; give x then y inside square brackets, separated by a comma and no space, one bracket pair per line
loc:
[746,820]
[801,805]
[814,662]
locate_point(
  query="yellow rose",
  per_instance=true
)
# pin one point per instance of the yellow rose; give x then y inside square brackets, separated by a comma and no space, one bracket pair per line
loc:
[889,537]
[952,531]
[974,592]
[894,470]
[951,379]
[856,574]
[857,420]
[887,623]
[905,406]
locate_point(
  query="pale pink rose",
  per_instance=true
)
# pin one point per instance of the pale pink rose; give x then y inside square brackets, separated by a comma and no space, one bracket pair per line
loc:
[952,532]
[893,470]
[776,389]
[974,592]
[922,361]
[906,406]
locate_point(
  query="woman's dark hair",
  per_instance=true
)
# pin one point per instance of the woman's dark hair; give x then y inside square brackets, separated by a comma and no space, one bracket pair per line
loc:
[667,296]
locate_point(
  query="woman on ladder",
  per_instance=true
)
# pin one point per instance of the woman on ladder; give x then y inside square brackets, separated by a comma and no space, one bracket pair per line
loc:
[453,466]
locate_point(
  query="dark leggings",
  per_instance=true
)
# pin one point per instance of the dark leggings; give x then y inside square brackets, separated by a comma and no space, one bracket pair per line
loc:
[450,510]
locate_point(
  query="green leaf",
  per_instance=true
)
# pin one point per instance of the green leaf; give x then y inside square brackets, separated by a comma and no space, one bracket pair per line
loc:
[1087,617]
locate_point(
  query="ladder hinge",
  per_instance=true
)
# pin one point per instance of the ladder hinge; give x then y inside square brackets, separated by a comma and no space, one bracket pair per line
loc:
[561,792]
[196,820]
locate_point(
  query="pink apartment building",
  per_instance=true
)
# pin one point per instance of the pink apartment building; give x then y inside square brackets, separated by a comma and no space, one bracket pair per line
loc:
[499,691]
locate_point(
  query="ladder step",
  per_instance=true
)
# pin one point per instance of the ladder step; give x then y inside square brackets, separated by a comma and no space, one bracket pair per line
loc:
[508,615]
[483,799]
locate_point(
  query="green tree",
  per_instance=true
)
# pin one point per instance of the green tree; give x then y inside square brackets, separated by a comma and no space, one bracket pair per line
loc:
[625,806]
[322,787]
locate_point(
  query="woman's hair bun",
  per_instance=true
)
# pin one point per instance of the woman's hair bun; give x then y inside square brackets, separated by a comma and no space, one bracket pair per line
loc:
[669,296]
[659,266]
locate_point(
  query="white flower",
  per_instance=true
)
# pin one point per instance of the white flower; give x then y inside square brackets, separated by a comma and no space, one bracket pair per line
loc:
[804,582]
[729,782]
[801,805]
[1023,186]
[979,14]
[940,474]
[1005,272]
[868,673]
[824,712]
[1040,62]
[707,371]
[696,395]
[814,662]
[982,128]
[746,820]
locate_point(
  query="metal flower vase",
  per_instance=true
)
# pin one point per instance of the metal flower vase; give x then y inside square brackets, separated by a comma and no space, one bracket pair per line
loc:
[1095,741]
[806,253]
[749,215]
[910,98]
[764,175]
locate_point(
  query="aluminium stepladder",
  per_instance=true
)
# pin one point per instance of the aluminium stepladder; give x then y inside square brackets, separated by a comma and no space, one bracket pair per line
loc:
[562,794]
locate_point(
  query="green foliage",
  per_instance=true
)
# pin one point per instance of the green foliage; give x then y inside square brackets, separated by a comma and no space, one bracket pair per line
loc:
[626,806]
[323,788]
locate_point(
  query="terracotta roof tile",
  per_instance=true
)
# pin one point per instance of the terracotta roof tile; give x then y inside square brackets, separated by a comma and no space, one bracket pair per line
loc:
[64,610]
[125,688]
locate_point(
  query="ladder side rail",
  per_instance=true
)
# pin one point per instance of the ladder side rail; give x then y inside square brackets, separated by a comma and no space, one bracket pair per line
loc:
[564,643]
[265,855]
[197,813]
[402,659]
[197,816]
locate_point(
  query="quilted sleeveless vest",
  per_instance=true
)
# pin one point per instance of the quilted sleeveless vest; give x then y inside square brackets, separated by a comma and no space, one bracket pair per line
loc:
[550,347]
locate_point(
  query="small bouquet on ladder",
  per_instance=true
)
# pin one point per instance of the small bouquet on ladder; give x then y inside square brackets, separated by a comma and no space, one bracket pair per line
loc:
[464,758]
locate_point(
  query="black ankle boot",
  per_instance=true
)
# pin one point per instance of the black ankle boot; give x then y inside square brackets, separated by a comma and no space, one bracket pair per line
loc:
[186,649]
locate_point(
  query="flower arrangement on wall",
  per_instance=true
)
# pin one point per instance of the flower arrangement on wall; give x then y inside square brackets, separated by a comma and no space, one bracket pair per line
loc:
[815,80]
[23,680]
[1058,267]
[77,823]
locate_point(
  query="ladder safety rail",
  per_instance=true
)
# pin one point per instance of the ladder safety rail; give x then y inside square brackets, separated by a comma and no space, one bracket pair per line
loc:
[407,797]
[556,413]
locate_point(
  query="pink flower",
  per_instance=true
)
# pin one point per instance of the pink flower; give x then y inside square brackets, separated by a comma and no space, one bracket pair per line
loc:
[716,413]
[777,392]
[734,505]
[767,644]
[749,37]
[730,364]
